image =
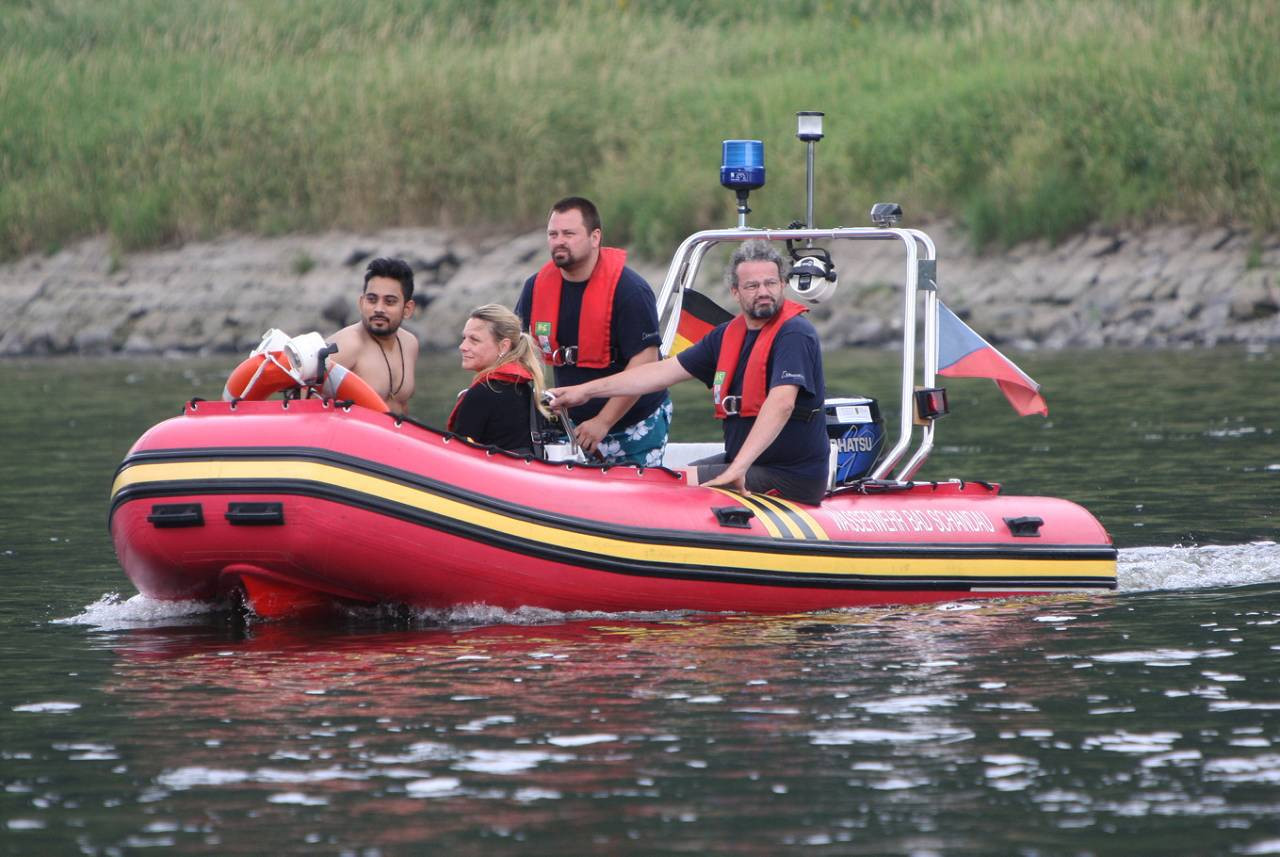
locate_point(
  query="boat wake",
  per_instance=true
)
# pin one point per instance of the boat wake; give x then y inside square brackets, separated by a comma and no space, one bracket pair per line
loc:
[111,613]
[1142,569]
[1206,567]
[476,615]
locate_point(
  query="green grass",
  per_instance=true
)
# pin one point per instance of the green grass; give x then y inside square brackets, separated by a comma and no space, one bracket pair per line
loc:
[167,120]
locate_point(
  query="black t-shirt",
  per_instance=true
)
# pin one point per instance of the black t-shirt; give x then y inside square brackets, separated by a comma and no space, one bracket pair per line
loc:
[633,328]
[497,413]
[802,446]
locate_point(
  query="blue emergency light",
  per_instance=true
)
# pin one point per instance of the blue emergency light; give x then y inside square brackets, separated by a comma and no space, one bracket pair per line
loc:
[742,164]
[742,171]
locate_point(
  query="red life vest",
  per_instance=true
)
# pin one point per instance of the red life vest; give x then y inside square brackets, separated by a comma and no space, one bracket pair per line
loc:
[594,321]
[511,372]
[755,381]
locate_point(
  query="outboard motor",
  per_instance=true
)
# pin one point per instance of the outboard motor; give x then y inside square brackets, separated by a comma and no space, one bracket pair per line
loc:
[856,430]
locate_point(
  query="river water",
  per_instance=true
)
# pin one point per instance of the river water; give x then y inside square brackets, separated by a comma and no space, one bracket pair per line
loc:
[1146,721]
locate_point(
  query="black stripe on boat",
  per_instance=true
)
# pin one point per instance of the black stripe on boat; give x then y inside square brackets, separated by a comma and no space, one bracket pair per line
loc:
[583,526]
[604,562]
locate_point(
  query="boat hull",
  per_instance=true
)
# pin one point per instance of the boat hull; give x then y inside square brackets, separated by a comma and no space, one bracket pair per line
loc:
[304,503]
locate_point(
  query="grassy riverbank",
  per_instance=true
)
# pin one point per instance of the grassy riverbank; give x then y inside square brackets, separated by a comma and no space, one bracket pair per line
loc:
[159,121]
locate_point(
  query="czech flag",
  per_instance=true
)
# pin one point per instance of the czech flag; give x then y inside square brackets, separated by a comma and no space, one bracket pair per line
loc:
[699,315]
[964,354]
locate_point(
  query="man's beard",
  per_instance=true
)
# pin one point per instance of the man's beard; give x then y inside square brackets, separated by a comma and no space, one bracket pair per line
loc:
[392,327]
[761,313]
[568,260]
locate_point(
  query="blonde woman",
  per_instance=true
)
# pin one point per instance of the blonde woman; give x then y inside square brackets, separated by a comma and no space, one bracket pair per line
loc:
[497,409]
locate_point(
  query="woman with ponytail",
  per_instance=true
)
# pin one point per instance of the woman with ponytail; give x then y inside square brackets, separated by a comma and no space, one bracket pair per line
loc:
[498,408]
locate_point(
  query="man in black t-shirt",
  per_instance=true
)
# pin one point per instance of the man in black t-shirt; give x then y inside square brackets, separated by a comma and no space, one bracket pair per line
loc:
[593,317]
[765,371]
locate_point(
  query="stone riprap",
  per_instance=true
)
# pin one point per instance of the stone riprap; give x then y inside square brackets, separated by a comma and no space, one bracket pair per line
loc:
[1167,286]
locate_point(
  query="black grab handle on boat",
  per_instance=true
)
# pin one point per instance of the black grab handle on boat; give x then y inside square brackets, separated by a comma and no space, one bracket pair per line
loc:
[1027,526]
[171,515]
[737,517]
[255,514]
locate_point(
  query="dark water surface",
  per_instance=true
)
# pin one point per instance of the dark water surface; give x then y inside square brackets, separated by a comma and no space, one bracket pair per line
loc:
[1142,722]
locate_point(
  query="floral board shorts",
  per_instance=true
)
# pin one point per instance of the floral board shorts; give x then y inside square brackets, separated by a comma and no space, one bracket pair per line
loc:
[641,443]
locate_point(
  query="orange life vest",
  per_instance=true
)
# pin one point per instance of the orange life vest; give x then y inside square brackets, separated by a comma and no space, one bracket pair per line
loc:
[594,321]
[755,381]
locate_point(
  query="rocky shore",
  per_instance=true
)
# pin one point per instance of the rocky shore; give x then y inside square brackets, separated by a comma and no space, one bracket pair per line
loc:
[1170,286]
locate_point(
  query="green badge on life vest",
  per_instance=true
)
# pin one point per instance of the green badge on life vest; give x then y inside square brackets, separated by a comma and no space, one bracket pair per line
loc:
[542,328]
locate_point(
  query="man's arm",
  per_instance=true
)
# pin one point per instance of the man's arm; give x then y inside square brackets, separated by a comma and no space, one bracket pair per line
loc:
[591,432]
[774,413]
[646,378]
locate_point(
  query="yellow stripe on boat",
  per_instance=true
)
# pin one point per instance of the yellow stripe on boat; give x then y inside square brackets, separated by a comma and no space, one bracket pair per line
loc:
[792,529]
[601,545]
[803,514]
[768,521]
[812,529]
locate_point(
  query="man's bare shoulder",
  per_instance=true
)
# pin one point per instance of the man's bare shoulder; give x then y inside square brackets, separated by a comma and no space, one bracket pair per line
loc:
[408,341]
[350,341]
[350,332]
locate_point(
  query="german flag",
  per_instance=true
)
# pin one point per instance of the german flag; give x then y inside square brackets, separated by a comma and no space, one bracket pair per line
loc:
[699,315]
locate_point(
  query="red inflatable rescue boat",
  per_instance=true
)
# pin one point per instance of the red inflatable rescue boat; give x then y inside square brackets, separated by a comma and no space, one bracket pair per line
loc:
[300,503]
[307,502]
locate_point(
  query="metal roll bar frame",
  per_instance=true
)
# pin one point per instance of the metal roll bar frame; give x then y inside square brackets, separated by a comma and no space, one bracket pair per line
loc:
[920,266]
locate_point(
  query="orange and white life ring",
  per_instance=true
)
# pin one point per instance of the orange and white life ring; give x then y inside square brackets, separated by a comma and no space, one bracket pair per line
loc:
[258,377]
[344,385]
[283,363]
[265,371]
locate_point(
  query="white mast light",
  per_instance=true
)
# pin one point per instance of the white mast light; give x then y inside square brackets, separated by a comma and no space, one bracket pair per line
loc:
[809,125]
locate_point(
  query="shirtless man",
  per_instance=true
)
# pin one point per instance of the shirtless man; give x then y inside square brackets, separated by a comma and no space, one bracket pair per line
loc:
[375,348]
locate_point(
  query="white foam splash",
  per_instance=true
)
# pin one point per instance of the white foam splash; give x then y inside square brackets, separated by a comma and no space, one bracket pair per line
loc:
[194,776]
[838,737]
[1159,657]
[581,740]
[507,761]
[25,824]
[1124,741]
[47,707]
[433,787]
[1260,770]
[483,614]
[1151,568]
[484,722]
[297,799]
[907,704]
[528,795]
[109,613]
[416,753]
[198,775]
